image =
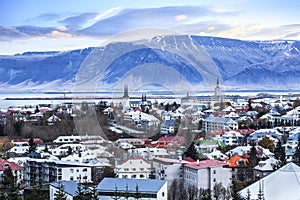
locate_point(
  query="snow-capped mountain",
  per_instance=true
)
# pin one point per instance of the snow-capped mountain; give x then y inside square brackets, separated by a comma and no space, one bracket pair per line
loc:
[164,61]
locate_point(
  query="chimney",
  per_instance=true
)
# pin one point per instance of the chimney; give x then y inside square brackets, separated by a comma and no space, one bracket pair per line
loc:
[198,162]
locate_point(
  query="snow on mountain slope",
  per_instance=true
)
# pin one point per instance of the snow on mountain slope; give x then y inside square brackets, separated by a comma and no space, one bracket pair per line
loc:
[240,64]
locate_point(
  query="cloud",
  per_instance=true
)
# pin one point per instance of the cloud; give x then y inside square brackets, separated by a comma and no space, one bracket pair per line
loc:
[180,17]
[129,19]
[75,22]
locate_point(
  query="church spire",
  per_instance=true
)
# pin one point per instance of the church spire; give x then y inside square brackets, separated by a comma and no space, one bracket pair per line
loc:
[125,91]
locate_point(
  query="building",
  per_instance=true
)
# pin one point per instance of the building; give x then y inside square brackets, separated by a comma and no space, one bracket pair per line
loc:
[232,138]
[38,171]
[255,136]
[15,169]
[211,123]
[168,169]
[239,167]
[143,189]
[279,185]
[133,168]
[206,174]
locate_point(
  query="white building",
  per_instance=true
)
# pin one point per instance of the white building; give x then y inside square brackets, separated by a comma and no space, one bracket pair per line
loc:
[205,174]
[232,138]
[218,123]
[168,169]
[47,171]
[133,168]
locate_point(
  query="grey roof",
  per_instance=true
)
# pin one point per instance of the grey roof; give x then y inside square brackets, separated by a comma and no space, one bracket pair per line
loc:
[151,186]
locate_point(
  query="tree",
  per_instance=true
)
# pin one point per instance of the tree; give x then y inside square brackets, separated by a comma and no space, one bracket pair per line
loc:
[267,143]
[235,194]
[93,192]
[191,152]
[60,193]
[32,145]
[219,191]
[296,158]
[260,195]
[279,154]
[9,181]
[253,161]
[81,193]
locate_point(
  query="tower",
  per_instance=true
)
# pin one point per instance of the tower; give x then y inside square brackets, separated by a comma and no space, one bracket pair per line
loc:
[126,98]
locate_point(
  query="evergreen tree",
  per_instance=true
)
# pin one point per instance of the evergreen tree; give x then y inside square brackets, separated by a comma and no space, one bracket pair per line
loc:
[191,152]
[80,193]
[253,161]
[296,158]
[248,195]
[9,181]
[279,154]
[32,145]
[235,194]
[60,193]
[260,195]
[93,192]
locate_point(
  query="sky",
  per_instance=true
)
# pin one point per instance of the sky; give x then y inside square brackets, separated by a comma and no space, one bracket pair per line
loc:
[56,25]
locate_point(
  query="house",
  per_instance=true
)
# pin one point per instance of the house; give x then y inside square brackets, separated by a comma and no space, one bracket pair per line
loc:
[282,184]
[143,189]
[67,139]
[239,167]
[168,169]
[148,153]
[206,174]
[211,123]
[265,167]
[70,189]
[169,142]
[232,138]
[16,170]
[133,168]
[255,136]
[208,146]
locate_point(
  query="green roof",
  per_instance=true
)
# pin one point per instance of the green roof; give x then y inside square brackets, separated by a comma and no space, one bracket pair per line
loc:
[210,142]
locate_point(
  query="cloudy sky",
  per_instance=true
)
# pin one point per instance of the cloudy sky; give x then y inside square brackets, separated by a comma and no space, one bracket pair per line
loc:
[32,25]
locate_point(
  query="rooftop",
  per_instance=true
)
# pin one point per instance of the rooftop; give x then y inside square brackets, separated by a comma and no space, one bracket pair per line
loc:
[123,184]
[205,164]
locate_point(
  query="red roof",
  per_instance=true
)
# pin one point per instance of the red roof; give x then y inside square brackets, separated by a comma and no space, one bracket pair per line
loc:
[171,139]
[4,164]
[205,164]
[234,161]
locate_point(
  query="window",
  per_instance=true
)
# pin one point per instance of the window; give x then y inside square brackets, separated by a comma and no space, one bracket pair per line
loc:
[162,194]
[214,171]
[84,170]
[77,170]
[214,180]
[71,170]
[71,178]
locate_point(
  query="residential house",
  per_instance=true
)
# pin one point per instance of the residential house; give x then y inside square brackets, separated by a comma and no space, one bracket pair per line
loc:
[239,167]
[255,136]
[232,138]
[211,123]
[16,170]
[143,189]
[265,167]
[134,168]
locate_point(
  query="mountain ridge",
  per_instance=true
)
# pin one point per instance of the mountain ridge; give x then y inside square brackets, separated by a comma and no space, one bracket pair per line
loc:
[240,64]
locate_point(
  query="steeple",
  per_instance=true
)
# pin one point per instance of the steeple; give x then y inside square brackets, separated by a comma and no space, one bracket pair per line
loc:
[125,91]
[217,88]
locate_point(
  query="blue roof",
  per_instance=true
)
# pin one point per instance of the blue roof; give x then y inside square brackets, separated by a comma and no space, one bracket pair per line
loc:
[295,136]
[144,185]
[70,187]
